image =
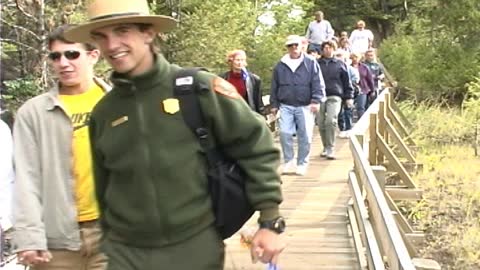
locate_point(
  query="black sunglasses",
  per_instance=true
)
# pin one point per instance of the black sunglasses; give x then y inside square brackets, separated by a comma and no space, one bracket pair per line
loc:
[291,45]
[69,54]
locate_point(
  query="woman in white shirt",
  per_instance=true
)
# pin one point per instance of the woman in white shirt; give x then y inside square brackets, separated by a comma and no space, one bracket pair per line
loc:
[361,39]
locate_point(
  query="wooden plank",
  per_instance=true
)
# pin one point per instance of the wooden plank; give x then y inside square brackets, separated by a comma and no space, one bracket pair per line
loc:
[318,234]
[382,119]
[362,260]
[404,194]
[401,117]
[382,219]
[395,163]
[380,172]
[426,264]
[374,257]
[397,140]
[417,239]
[401,220]
[400,127]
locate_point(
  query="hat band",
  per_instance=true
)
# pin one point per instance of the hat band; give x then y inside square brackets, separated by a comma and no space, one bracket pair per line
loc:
[116,15]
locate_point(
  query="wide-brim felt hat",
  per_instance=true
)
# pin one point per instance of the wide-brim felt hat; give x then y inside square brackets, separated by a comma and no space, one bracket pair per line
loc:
[108,12]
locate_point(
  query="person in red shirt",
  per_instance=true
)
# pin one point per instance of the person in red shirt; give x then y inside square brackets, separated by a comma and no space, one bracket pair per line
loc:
[246,83]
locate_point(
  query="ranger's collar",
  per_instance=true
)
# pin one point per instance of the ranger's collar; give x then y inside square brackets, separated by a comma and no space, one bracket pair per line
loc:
[146,81]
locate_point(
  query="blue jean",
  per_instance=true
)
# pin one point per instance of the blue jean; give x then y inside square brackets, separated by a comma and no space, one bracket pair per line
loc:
[361,104]
[317,47]
[345,118]
[299,121]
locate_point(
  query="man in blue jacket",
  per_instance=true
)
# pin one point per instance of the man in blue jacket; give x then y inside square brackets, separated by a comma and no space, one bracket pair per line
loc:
[297,91]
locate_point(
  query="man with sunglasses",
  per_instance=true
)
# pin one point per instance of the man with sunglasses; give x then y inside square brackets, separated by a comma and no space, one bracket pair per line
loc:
[54,207]
[297,91]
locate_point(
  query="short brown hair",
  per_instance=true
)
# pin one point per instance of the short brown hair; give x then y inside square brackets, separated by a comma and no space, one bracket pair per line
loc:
[154,46]
[330,43]
[58,34]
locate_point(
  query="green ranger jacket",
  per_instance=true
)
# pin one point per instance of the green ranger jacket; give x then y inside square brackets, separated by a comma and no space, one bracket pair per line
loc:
[150,173]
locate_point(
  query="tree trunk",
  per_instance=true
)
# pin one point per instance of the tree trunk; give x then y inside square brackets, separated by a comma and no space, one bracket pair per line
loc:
[43,50]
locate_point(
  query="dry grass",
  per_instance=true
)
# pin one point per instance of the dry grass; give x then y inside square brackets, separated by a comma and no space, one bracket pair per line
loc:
[450,211]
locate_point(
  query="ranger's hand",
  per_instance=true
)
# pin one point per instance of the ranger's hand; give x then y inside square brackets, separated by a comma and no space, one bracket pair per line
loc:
[266,246]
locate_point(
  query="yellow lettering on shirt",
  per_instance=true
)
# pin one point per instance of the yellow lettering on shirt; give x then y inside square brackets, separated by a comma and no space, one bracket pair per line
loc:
[78,108]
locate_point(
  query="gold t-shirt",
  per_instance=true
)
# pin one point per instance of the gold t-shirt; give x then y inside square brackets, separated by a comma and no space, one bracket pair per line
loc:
[78,108]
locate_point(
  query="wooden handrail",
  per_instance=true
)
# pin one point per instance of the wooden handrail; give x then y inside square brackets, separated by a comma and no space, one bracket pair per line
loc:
[371,142]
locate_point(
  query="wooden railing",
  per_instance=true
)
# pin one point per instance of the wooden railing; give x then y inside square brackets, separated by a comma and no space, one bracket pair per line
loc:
[384,159]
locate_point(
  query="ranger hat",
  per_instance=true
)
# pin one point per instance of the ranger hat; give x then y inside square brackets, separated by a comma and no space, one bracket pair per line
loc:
[107,12]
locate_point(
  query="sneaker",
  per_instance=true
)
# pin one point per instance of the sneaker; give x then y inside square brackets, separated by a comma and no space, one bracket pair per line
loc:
[330,154]
[289,167]
[343,134]
[324,153]
[301,169]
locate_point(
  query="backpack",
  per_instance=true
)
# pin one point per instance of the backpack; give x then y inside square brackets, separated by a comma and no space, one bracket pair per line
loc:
[226,180]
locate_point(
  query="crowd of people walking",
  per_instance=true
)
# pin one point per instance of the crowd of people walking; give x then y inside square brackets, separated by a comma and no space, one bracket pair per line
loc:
[350,79]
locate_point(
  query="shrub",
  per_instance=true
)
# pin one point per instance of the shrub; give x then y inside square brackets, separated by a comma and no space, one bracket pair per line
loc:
[434,71]
[19,90]
[434,124]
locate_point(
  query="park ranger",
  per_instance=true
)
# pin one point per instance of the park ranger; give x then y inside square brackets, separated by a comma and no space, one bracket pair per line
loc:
[151,180]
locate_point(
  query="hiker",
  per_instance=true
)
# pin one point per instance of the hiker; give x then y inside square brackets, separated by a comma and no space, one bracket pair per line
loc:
[339,90]
[150,170]
[296,92]
[246,82]
[319,31]
[54,208]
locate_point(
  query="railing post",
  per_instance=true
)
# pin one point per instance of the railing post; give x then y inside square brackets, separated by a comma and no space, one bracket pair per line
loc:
[372,146]
[382,128]
[380,173]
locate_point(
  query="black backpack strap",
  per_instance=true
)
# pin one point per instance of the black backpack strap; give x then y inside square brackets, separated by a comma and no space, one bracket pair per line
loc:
[185,89]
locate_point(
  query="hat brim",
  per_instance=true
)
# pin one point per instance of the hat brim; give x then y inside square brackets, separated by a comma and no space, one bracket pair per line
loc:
[82,33]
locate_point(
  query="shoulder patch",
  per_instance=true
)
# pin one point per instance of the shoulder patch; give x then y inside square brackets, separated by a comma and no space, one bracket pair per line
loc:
[223,87]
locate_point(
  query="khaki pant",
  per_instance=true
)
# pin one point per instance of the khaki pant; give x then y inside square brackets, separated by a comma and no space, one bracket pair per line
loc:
[88,257]
[204,251]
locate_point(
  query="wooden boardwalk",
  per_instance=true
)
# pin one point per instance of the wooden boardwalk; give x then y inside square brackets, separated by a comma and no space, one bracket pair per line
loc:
[318,234]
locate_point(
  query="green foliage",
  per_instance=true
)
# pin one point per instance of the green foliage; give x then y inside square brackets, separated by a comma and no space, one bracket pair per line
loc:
[436,72]
[20,90]
[435,53]
[207,33]
[472,100]
[434,124]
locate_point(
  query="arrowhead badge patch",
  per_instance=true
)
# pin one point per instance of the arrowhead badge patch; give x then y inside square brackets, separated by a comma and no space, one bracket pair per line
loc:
[171,105]
[223,87]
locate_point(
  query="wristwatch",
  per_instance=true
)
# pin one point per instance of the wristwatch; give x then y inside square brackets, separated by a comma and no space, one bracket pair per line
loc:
[277,225]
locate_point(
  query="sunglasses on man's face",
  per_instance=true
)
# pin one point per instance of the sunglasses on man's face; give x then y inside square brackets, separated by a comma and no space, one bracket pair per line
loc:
[69,54]
[291,45]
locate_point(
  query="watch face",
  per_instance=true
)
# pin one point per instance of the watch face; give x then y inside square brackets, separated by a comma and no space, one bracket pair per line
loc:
[279,225]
